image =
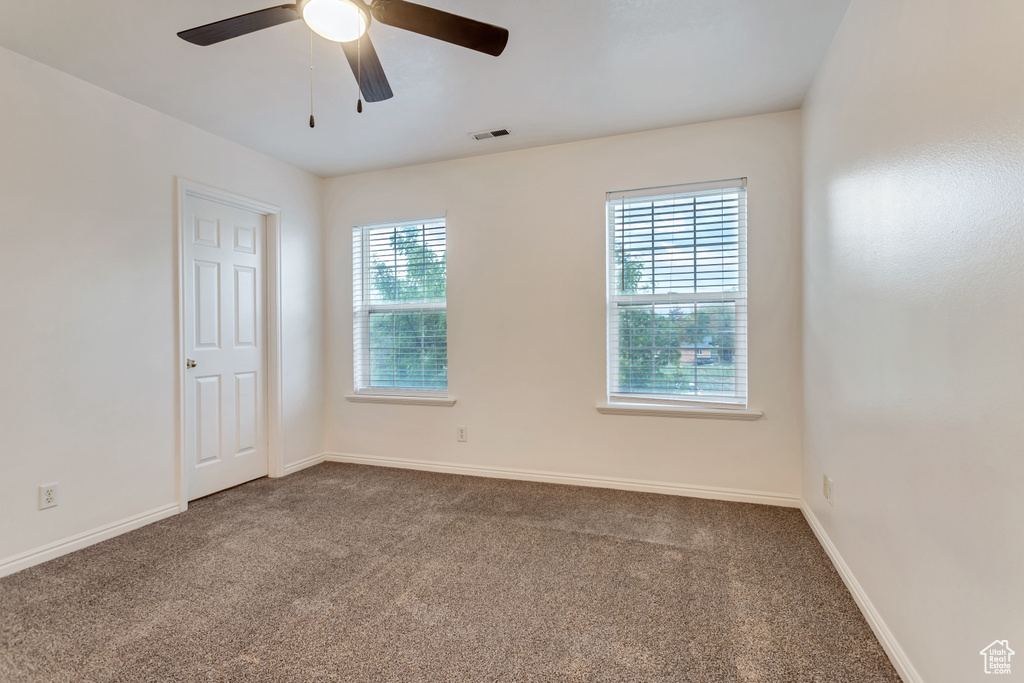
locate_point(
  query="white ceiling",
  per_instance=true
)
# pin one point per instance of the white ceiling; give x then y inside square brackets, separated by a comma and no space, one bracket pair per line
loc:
[573,69]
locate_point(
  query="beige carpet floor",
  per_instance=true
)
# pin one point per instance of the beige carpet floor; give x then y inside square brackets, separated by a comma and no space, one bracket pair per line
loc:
[357,573]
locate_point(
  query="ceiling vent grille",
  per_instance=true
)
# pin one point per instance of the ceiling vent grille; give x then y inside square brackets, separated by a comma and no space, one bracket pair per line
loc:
[488,134]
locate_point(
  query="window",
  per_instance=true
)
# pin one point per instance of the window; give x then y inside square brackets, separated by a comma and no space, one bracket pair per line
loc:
[399,308]
[677,295]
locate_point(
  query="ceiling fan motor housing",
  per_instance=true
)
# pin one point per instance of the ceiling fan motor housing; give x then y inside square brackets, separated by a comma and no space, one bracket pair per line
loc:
[336,19]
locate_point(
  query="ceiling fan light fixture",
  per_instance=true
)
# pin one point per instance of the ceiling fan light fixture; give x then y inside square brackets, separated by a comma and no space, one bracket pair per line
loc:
[337,20]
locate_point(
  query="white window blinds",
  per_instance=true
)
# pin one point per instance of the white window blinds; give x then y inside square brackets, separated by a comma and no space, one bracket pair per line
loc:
[399,308]
[677,294]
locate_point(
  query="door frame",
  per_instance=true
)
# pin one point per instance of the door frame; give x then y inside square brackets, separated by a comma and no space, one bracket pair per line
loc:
[272,325]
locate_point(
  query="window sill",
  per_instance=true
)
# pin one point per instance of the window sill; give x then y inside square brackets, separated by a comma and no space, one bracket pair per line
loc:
[652,410]
[402,400]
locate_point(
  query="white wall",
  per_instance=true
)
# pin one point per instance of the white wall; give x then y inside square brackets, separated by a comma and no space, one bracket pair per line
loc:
[88,295]
[526,309]
[914,320]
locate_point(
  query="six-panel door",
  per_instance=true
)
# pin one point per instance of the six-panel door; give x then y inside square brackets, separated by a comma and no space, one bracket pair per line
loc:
[225,395]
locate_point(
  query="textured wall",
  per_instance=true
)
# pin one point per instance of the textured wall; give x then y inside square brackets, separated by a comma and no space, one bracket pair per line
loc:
[526,308]
[914,319]
[88,296]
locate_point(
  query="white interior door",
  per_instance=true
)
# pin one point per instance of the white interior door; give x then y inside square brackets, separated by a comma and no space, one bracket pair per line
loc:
[225,349]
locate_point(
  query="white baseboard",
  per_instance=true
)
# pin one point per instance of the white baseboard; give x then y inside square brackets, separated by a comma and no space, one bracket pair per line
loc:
[49,551]
[897,656]
[291,468]
[735,495]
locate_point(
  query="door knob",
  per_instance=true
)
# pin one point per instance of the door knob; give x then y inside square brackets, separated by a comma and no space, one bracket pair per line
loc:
[189,363]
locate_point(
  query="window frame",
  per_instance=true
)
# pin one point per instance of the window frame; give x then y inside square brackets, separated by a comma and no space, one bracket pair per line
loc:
[615,300]
[363,308]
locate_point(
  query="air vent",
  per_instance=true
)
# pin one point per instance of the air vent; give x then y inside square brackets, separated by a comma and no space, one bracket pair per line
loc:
[488,134]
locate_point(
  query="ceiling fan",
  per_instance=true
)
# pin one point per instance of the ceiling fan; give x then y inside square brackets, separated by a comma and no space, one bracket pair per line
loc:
[346,21]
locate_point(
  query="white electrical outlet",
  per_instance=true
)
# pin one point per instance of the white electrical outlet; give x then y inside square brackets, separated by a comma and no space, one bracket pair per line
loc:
[461,434]
[49,495]
[828,489]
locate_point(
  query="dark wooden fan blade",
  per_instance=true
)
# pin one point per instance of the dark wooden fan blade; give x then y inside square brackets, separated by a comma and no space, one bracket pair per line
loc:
[434,23]
[240,25]
[362,56]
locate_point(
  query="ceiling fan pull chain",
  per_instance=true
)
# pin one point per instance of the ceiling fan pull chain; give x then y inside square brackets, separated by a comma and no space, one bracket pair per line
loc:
[359,69]
[312,122]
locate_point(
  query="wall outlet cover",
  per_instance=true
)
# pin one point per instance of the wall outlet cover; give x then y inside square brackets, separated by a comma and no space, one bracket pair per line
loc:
[49,495]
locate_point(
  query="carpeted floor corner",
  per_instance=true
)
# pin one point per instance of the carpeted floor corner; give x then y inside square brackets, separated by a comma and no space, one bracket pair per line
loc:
[358,573]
